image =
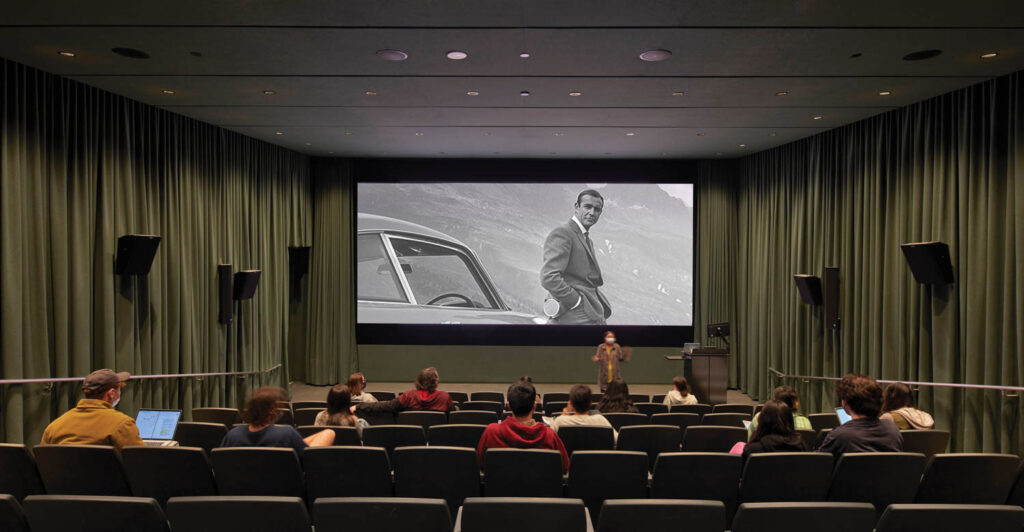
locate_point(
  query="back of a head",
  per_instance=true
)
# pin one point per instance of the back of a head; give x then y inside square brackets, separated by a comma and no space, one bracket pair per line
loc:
[427,379]
[261,408]
[681,385]
[339,399]
[896,396]
[580,397]
[617,389]
[786,395]
[775,418]
[355,383]
[861,393]
[521,398]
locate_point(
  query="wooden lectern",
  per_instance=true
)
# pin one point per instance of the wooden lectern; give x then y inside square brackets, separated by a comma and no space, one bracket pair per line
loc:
[707,371]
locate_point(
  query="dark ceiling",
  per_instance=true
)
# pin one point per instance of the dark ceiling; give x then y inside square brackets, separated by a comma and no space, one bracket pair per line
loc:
[729,60]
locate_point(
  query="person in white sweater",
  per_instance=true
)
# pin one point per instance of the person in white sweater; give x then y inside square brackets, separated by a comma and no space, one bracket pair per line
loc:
[680,394]
[898,407]
[577,412]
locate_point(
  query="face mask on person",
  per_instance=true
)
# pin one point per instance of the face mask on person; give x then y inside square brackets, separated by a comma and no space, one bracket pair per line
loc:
[610,340]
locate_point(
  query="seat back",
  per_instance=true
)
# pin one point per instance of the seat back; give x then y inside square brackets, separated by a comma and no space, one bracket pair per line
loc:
[680,420]
[81,470]
[248,513]
[651,440]
[381,514]
[60,513]
[630,515]
[639,398]
[391,436]
[786,477]
[285,417]
[472,417]
[20,476]
[300,405]
[449,473]
[809,437]
[951,518]
[377,418]
[261,471]
[523,473]
[625,419]
[423,418]
[505,514]
[485,406]
[726,420]
[556,397]
[458,397]
[826,420]
[595,476]
[455,435]
[307,416]
[710,476]
[555,407]
[346,472]
[496,397]
[712,439]
[733,408]
[586,438]
[649,409]
[659,398]
[342,435]
[878,478]
[927,442]
[165,472]
[1016,496]
[12,517]
[229,417]
[699,409]
[804,516]
[206,436]
[968,479]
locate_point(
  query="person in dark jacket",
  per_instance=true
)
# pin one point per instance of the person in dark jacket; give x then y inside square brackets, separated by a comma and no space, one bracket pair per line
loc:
[425,396]
[775,432]
[861,397]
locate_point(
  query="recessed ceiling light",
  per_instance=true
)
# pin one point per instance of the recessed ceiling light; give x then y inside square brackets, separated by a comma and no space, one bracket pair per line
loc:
[772,134]
[700,134]
[392,55]
[419,133]
[677,93]
[269,93]
[655,55]
[575,93]
[743,145]
[818,117]
[559,134]
[348,133]
[456,55]
[309,144]
[921,55]
[524,93]
[524,55]
[66,53]
[330,153]
[782,93]
[472,93]
[130,53]
[279,133]
[167,91]
[989,55]
[630,134]
[884,93]
[370,93]
[488,133]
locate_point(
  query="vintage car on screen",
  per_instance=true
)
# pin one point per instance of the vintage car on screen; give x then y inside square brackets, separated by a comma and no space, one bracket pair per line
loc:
[408,273]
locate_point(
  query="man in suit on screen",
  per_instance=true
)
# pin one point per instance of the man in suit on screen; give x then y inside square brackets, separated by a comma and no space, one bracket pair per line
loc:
[570,273]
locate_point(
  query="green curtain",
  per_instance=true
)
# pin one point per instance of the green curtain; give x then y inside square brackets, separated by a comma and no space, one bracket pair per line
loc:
[948,169]
[80,167]
[331,338]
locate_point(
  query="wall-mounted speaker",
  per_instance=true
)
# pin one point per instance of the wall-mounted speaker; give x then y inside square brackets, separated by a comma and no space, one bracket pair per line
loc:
[929,262]
[298,267]
[809,287]
[830,295]
[224,298]
[135,254]
[245,283]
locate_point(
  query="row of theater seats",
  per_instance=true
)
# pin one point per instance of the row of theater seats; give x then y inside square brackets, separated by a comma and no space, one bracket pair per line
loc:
[55,513]
[453,473]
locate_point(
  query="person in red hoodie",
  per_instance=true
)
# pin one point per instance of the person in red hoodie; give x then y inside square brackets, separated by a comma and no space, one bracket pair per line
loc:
[425,396]
[520,430]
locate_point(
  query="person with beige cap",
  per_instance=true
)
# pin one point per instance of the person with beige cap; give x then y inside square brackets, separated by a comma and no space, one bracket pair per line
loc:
[94,421]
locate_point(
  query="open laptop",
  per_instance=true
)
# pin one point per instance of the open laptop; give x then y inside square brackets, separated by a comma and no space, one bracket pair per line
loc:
[843,416]
[156,427]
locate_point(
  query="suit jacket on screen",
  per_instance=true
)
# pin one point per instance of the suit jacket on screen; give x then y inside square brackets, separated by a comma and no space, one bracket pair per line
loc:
[570,270]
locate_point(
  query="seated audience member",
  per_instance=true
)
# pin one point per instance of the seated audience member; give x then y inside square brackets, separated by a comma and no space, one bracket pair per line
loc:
[775,433]
[616,399]
[425,396]
[898,405]
[520,430]
[680,395]
[261,413]
[529,379]
[338,412]
[861,397]
[94,421]
[357,387]
[787,395]
[577,412]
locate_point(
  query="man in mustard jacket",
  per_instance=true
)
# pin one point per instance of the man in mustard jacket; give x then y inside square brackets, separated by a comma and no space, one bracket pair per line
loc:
[94,421]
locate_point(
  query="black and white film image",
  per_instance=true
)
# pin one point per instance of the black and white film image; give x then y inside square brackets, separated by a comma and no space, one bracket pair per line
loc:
[525,253]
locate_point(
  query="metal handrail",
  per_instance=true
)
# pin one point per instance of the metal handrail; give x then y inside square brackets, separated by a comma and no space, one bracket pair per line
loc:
[1003,389]
[141,377]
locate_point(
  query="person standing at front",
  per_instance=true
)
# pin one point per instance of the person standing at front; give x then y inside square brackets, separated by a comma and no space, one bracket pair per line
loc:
[609,355]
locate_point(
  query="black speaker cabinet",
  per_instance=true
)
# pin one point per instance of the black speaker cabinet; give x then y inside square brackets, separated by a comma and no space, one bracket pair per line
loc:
[809,287]
[830,295]
[245,283]
[224,299]
[929,262]
[135,254]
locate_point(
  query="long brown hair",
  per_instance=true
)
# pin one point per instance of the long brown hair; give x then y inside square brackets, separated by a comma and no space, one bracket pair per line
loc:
[775,418]
[896,396]
[261,408]
[427,379]
[355,383]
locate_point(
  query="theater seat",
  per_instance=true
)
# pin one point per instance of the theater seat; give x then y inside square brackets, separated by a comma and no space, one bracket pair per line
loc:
[626,419]
[595,476]
[733,408]
[306,416]
[683,421]
[633,515]
[650,439]
[391,436]
[586,438]
[472,417]
[826,420]
[496,397]
[449,473]
[726,419]
[523,473]
[229,513]
[347,472]
[83,513]
[207,436]
[81,470]
[927,442]
[649,409]
[780,477]
[391,514]
[165,472]
[342,435]
[260,471]
[708,476]
[968,479]
[425,419]
[456,435]
[804,517]
[229,417]
[951,518]
[12,517]
[878,478]
[512,514]
[20,476]
[485,406]
[712,439]
[699,409]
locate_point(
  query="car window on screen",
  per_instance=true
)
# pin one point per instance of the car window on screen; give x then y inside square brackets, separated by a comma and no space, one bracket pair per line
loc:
[439,275]
[376,278]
